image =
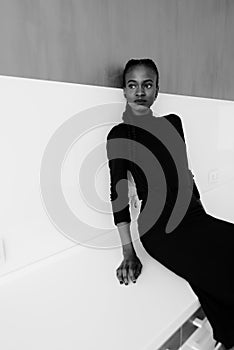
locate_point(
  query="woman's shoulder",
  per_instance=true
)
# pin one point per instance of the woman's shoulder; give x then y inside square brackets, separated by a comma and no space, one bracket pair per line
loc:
[117,130]
[173,117]
[176,122]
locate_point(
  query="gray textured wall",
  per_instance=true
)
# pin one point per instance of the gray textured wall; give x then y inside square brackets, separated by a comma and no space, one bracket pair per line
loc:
[89,41]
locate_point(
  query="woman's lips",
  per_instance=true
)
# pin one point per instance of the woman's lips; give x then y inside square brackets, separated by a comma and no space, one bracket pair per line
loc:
[140,101]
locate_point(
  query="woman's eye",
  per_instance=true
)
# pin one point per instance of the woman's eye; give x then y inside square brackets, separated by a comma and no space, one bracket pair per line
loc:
[149,85]
[131,86]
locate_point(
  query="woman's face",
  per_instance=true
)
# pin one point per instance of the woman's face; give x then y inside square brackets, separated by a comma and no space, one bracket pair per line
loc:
[140,90]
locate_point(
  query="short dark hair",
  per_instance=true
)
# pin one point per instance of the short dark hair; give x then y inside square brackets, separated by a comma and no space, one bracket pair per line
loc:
[141,61]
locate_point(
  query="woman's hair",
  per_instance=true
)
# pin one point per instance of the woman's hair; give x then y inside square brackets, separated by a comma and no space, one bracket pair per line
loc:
[141,61]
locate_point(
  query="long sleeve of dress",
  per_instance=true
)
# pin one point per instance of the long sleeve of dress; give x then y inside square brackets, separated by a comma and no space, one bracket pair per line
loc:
[118,171]
[179,128]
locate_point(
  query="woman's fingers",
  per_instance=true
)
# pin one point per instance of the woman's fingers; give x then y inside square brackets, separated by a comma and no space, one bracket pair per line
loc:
[129,270]
[125,275]
[138,270]
[119,275]
[134,200]
[132,275]
[122,275]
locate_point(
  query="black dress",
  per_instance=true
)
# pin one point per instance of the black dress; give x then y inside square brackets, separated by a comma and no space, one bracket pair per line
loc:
[201,247]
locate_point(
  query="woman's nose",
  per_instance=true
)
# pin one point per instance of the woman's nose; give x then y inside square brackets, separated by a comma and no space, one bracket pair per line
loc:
[140,91]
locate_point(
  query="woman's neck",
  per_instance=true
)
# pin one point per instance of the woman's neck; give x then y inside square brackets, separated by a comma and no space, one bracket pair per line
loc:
[139,109]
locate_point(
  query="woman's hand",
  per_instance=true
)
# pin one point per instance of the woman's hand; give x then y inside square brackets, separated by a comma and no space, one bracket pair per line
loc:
[134,201]
[129,268]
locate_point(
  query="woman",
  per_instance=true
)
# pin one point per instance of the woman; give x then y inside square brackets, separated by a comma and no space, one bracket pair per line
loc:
[199,247]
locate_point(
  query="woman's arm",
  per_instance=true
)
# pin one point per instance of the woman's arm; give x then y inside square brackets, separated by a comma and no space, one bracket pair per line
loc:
[125,236]
[131,266]
[118,171]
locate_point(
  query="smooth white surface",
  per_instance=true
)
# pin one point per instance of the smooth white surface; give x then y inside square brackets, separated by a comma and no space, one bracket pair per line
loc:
[74,301]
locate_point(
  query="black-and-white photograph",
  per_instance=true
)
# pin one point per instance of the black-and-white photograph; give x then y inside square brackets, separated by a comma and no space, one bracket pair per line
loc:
[117,175]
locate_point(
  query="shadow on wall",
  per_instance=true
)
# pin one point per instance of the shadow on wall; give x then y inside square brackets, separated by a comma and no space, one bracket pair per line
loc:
[114,76]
